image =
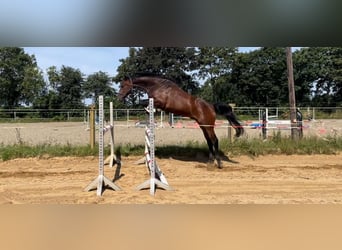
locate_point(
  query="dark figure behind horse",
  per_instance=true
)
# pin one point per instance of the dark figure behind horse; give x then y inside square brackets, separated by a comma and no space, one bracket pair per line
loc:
[170,98]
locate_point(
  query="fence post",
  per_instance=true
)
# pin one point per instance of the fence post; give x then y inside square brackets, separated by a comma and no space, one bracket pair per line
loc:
[230,134]
[264,123]
[292,96]
[127,117]
[161,119]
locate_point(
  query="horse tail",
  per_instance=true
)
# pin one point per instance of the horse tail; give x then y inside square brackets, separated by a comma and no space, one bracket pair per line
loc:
[227,111]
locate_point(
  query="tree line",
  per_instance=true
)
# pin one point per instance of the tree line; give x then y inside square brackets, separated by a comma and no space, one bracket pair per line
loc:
[217,74]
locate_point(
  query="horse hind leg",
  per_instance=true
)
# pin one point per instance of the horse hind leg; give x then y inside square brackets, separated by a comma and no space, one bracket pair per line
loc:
[211,151]
[217,153]
[212,142]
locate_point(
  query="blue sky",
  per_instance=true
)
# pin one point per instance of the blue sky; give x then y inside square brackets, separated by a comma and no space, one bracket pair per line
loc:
[87,59]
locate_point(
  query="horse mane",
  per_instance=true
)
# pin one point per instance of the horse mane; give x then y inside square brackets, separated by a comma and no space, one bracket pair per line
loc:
[157,75]
[167,80]
[143,74]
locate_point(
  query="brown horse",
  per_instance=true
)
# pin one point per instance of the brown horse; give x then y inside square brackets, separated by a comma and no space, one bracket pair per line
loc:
[170,98]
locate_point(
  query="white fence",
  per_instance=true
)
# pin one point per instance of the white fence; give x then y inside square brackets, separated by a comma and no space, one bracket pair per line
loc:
[134,114]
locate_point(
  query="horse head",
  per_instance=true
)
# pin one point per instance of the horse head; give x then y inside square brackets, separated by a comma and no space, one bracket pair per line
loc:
[125,87]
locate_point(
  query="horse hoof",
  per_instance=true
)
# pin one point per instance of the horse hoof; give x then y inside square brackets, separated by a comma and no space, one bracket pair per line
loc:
[219,164]
[210,165]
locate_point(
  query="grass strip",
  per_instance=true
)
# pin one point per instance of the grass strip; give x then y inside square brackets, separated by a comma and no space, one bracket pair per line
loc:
[252,147]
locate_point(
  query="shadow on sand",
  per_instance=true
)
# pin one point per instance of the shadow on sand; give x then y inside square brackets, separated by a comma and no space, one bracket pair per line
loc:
[192,153]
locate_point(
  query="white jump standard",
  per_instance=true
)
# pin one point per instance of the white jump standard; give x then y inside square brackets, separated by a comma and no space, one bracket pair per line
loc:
[111,159]
[157,178]
[102,180]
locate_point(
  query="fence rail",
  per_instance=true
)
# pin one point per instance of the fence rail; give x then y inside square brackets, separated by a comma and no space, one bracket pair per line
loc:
[243,113]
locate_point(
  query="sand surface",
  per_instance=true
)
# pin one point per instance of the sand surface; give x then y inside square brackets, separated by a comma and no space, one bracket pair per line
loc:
[274,179]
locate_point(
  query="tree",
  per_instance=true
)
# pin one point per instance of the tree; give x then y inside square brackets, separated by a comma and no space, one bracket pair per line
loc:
[239,81]
[261,77]
[97,84]
[215,66]
[67,85]
[20,78]
[320,71]
[33,85]
[129,67]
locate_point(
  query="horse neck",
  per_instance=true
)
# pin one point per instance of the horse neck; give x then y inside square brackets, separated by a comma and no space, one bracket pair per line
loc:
[145,85]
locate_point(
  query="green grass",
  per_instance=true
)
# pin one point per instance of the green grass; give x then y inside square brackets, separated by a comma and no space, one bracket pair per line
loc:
[252,147]
[44,150]
[281,145]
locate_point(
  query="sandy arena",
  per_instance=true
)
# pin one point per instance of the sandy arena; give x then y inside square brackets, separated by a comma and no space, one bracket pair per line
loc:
[274,179]
[315,179]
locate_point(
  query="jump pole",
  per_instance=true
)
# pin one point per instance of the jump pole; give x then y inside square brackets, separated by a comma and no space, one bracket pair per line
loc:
[157,179]
[101,180]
